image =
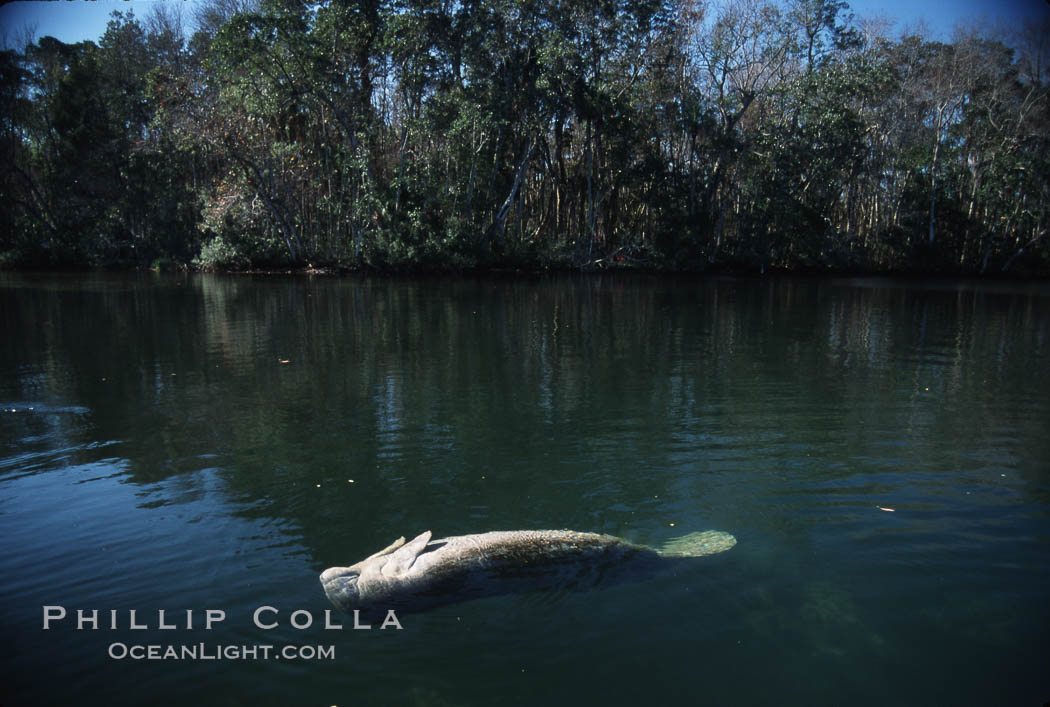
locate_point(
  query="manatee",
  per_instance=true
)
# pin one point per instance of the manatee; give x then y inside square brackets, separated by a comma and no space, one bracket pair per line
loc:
[425,573]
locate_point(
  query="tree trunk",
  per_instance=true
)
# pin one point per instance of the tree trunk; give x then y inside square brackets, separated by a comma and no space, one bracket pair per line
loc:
[589,228]
[933,188]
[499,223]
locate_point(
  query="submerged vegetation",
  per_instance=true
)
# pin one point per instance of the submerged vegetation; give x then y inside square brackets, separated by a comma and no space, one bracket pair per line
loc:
[669,134]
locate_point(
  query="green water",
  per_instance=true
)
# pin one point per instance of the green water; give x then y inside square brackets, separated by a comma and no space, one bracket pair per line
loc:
[195,443]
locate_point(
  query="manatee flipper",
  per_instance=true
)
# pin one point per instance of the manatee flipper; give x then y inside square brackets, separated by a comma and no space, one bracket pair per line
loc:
[388,549]
[698,544]
[405,555]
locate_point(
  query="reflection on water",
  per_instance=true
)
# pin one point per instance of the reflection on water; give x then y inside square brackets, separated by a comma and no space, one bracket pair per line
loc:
[214,442]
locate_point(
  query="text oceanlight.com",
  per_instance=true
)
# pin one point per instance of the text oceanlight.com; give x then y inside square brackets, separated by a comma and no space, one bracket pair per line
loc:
[204,651]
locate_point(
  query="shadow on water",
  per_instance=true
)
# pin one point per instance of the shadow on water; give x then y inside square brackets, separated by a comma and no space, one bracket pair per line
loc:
[226,438]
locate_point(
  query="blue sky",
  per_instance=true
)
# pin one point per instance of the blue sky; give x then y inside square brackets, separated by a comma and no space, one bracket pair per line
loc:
[943,15]
[76,20]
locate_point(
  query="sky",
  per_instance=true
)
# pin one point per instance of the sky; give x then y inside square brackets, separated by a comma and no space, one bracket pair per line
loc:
[76,20]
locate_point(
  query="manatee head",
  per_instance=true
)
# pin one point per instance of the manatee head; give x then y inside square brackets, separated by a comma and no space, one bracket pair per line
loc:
[381,580]
[340,586]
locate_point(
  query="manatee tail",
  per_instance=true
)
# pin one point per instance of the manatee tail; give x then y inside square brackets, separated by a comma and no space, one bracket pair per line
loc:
[706,542]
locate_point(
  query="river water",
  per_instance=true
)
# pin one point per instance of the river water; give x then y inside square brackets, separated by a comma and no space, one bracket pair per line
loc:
[880,449]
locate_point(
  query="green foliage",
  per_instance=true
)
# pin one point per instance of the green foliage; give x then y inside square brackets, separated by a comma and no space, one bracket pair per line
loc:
[524,133]
[219,254]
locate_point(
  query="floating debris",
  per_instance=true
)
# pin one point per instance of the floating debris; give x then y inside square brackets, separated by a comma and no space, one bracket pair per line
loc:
[888,510]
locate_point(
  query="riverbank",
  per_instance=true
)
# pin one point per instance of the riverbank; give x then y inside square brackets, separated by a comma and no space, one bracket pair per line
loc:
[1026,271]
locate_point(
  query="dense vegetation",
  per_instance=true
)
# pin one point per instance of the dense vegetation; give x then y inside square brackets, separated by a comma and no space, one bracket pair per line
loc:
[478,133]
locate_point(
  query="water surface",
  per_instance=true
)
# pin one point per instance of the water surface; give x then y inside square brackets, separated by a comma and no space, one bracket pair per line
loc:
[193,443]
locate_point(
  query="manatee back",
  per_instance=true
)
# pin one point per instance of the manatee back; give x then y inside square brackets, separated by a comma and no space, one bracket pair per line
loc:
[501,562]
[523,550]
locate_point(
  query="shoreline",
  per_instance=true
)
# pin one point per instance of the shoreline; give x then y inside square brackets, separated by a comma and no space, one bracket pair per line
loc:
[506,271]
